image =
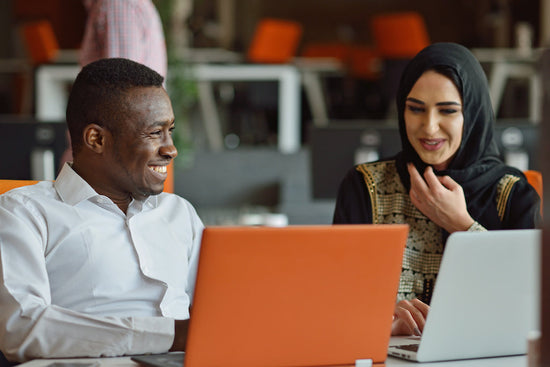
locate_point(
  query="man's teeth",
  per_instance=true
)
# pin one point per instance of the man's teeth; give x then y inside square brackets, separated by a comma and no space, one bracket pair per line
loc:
[159,169]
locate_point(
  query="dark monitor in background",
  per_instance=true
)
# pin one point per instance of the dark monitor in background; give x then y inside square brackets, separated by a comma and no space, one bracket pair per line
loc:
[336,148]
[31,150]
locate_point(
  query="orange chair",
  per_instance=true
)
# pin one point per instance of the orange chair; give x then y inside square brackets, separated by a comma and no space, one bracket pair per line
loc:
[6,185]
[337,50]
[40,41]
[399,35]
[535,179]
[275,41]
[360,61]
[169,183]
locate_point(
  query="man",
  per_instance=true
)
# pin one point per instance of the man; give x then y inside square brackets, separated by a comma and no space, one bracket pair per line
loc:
[101,262]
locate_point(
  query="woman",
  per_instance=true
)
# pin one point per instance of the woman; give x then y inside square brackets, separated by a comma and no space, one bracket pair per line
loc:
[447,177]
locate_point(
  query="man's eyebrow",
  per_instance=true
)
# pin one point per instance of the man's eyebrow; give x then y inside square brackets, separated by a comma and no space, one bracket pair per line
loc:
[162,123]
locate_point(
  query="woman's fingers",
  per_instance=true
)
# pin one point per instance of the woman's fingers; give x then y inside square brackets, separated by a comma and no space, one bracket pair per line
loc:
[409,317]
[422,307]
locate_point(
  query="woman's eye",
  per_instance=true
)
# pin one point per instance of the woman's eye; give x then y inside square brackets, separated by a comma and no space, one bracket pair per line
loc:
[156,132]
[415,108]
[448,111]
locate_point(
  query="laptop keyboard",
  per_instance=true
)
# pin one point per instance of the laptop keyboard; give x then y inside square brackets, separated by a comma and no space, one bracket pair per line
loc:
[409,347]
[160,360]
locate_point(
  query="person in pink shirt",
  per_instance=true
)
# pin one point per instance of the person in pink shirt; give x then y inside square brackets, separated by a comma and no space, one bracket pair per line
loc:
[131,29]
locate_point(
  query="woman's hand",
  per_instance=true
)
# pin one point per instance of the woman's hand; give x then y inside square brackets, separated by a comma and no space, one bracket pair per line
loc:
[409,317]
[439,198]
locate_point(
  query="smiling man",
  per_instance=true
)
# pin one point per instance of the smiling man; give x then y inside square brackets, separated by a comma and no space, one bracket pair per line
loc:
[101,262]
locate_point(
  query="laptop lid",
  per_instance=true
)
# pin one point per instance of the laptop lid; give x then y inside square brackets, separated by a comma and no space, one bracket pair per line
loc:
[486,299]
[295,296]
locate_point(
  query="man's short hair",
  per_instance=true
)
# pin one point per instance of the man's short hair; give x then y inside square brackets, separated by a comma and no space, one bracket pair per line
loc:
[97,94]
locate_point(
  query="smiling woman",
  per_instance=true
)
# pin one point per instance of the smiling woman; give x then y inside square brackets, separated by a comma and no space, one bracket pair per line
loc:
[434,118]
[447,177]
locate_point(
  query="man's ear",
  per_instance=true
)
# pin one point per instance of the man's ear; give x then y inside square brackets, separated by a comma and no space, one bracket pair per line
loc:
[94,137]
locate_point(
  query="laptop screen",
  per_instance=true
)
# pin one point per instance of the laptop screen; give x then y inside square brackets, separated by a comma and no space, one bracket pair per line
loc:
[297,295]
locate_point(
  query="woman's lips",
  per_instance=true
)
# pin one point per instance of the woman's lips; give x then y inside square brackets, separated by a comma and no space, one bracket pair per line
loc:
[432,144]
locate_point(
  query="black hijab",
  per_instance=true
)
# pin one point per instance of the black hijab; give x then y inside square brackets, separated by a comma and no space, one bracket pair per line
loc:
[476,165]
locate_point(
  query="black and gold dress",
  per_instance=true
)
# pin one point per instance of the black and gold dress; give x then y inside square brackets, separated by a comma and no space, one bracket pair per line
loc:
[374,193]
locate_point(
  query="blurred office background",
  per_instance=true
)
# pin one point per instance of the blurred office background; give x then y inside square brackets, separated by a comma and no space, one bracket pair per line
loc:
[267,127]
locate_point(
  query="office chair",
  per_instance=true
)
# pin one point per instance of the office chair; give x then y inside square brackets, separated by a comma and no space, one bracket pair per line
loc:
[40,41]
[254,108]
[355,92]
[169,183]
[42,47]
[275,41]
[360,61]
[535,179]
[6,185]
[398,37]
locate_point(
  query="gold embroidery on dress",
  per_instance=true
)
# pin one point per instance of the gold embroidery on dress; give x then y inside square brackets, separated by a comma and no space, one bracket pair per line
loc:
[504,188]
[391,204]
[371,188]
[424,250]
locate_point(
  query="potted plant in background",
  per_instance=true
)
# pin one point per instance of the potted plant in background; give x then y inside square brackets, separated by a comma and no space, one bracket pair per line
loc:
[179,85]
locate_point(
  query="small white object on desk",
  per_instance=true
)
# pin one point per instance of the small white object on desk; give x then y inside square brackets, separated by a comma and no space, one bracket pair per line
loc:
[363,363]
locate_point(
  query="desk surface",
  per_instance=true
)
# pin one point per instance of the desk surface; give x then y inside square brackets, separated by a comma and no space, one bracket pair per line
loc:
[509,55]
[520,361]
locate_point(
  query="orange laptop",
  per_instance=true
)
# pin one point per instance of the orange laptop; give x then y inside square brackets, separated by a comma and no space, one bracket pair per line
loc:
[292,296]
[295,296]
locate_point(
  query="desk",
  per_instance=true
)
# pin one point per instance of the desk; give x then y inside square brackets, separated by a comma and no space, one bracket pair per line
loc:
[508,63]
[52,82]
[23,68]
[288,78]
[520,361]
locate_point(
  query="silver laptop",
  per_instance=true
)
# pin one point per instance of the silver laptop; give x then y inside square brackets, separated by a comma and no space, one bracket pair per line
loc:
[486,299]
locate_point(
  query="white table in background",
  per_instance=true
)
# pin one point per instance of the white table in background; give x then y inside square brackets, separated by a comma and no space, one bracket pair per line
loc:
[53,82]
[287,76]
[506,63]
[291,77]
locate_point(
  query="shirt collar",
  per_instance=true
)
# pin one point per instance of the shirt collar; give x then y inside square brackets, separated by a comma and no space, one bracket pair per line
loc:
[73,189]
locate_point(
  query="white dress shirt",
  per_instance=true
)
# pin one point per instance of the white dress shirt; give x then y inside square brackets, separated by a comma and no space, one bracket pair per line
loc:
[81,278]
